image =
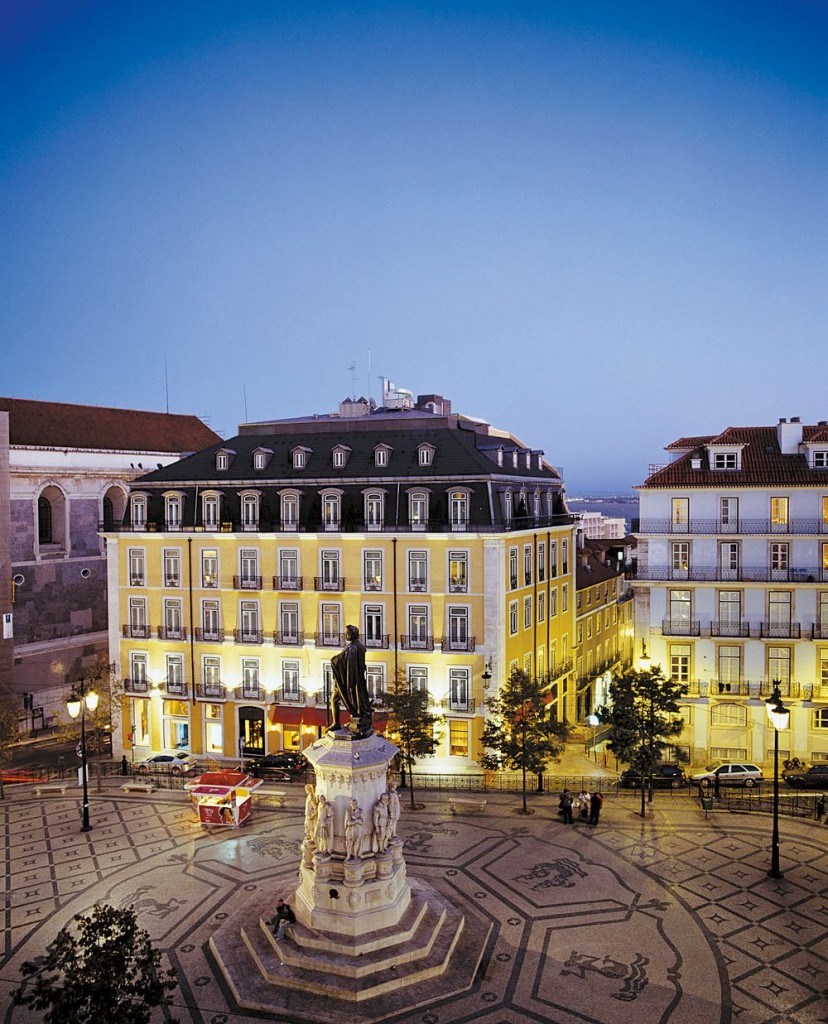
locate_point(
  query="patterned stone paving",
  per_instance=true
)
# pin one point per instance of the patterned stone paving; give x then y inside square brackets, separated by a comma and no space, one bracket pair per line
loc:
[671,919]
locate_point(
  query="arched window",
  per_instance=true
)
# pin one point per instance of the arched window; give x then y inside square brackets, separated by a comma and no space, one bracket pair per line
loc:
[44,520]
[138,510]
[459,510]
[250,512]
[373,511]
[108,514]
[418,510]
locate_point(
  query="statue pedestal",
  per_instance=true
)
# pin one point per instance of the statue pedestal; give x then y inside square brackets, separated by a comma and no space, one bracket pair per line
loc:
[366,937]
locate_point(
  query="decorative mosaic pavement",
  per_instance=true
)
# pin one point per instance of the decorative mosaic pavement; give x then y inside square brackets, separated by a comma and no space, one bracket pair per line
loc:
[670,920]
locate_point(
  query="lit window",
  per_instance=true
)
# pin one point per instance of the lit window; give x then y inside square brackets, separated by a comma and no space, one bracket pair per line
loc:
[779,511]
[459,739]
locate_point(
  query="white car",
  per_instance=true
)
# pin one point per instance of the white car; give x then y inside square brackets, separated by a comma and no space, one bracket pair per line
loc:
[176,761]
[730,773]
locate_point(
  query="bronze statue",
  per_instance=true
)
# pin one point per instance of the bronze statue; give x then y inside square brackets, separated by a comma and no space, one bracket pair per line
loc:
[349,686]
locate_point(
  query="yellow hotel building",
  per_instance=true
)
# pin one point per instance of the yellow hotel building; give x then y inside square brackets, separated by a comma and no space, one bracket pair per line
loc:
[236,570]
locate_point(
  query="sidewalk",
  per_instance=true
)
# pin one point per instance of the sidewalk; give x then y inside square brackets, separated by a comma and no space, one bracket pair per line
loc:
[670,919]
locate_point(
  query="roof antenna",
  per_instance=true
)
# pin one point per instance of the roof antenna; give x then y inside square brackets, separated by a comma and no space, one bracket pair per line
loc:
[166,387]
[244,392]
[352,371]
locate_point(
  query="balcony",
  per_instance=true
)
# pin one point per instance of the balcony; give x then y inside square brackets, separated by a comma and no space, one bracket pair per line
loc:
[287,582]
[133,631]
[172,580]
[329,639]
[463,707]
[136,581]
[718,688]
[556,671]
[248,636]
[373,525]
[247,582]
[458,586]
[715,573]
[250,691]
[250,527]
[323,583]
[819,631]
[670,627]
[457,643]
[175,688]
[418,586]
[372,584]
[748,527]
[379,642]
[417,643]
[136,685]
[291,695]
[210,582]
[211,691]
[721,628]
[172,633]
[332,525]
[780,630]
[210,635]
[288,638]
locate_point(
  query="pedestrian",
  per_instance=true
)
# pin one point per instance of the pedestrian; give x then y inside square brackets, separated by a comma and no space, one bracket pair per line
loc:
[282,919]
[583,805]
[565,807]
[596,802]
[124,765]
[820,807]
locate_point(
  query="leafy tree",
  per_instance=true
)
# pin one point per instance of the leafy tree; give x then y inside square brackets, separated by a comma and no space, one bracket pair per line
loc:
[642,713]
[519,733]
[109,972]
[413,724]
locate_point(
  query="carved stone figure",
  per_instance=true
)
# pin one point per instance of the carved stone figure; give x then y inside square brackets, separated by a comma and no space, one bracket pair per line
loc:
[324,825]
[381,821]
[354,831]
[310,811]
[349,685]
[393,810]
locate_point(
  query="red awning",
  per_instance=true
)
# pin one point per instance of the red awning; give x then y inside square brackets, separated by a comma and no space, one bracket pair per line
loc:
[281,715]
[318,716]
[379,720]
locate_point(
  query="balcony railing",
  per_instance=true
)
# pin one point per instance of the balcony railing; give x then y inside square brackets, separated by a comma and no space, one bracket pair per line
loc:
[746,574]
[379,642]
[211,691]
[418,586]
[782,631]
[457,643]
[458,586]
[287,582]
[463,707]
[736,689]
[372,584]
[136,581]
[172,580]
[248,636]
[671,627]
[560,669]
[720,628]
[819,631]
[288,637]
[172,633]
[175,687]
[291,695]
[251,691]
[417,643]
[210,636]
[247,582]
[329,639]
[372,525]
[132,631]
[136,685]
[322,583]
[756,689]
[715,527]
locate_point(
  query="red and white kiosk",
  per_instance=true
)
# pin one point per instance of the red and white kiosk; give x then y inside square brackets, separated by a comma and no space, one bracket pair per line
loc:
[223,798]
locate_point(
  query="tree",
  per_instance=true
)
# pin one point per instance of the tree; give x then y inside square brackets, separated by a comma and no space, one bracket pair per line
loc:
[519,733]
[642,713]
[413,723]
[109,972]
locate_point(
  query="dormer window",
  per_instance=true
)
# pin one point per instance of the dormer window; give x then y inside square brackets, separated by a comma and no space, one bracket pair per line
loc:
[508,510]
[223,459]
[261,457]
[340,456]
[820,460]
[332,510]
[381,455]
[173,505]
[300,457]
[210,511]
[250,511]
[514,459]
[373,510]
[418,510]
[725,460]
[138,511]
[426,454]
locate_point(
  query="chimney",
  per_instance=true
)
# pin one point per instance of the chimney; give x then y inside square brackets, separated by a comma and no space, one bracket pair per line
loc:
[789,435]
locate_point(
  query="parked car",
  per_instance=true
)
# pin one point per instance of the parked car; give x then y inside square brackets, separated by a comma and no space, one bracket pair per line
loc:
[285,766]
[730,773]
[664,775]
[814,776]
[176,761]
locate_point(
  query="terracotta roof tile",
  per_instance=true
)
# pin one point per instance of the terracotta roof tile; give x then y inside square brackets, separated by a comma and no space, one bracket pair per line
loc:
[59,424]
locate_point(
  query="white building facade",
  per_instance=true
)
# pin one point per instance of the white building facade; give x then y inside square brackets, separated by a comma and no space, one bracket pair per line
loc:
[731,586]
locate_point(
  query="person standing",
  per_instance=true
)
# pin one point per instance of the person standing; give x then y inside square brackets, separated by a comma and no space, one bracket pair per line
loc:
[565,807]
[596,802]
[583,805]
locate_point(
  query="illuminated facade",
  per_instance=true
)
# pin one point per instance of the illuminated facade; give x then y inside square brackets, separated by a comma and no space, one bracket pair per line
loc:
[731,588]
[236,570]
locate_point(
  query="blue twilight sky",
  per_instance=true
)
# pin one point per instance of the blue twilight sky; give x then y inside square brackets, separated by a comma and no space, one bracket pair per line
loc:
[601,225]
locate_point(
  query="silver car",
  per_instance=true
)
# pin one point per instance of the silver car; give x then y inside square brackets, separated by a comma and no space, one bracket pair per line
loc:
[176,761]
[730,773]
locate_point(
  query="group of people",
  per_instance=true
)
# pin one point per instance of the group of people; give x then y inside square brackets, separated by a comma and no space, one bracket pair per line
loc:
[586,805]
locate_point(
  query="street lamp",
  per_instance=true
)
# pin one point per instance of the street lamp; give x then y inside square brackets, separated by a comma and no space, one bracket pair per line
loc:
[593,720]
[778,716]
[83,697]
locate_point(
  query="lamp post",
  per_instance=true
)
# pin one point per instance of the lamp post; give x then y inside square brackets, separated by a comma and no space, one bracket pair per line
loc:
[593,720]
[778,715]
[81,698]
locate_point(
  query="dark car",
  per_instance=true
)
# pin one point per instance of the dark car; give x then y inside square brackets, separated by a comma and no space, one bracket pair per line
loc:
[285,766]
[664,775]
[813,777]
